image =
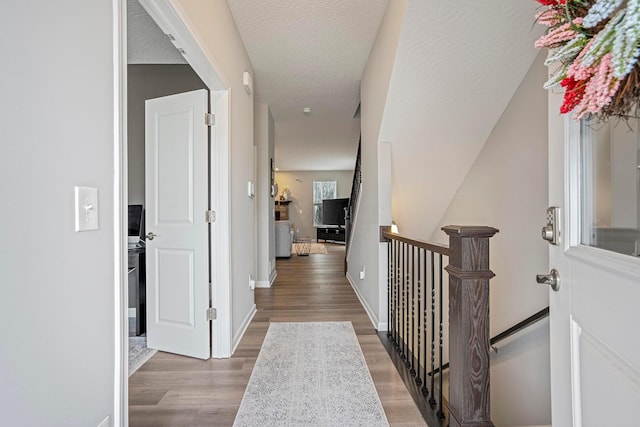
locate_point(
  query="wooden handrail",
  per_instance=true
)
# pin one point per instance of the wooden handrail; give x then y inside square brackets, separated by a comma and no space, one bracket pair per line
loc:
[520,326]
[507,333]
[468,294]
[439,249]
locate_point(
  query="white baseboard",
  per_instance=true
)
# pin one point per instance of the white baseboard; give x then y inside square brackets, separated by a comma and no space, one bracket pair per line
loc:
[263,284]
[267,283]
[243,328]
[367,308]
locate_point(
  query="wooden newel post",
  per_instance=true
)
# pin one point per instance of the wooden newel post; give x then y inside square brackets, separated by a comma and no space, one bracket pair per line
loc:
[469,275]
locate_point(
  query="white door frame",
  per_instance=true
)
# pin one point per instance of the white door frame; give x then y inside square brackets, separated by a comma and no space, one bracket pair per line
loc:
[172,20]
[121,294]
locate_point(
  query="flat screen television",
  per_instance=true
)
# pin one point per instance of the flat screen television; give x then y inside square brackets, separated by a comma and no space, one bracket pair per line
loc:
[333,211]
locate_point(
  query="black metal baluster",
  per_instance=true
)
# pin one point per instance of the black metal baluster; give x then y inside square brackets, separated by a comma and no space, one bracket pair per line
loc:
[432,400]
[440,412]
[389,299]
[425,390]
[398,295]
[396,320]
[407,289]
[412,371]
[419,356]
[404,302]
[395,294]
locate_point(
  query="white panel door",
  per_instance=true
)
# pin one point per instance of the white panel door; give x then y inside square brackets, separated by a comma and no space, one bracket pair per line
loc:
[595,313]
[176,200]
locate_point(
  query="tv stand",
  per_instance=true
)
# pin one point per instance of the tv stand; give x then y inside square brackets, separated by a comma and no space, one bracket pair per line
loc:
[334,234]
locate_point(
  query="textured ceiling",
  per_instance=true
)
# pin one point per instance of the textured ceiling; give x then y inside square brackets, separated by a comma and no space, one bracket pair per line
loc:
[457,66]
[146,43]
[310,53]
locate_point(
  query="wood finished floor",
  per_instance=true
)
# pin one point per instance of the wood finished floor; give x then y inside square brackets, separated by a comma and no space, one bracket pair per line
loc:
[171,390]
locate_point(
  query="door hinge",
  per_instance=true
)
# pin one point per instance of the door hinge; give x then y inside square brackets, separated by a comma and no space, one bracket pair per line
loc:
[210,119]
[212,313]
[209,216]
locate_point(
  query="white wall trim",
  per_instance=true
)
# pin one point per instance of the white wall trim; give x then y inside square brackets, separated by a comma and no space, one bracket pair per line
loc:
[383,277]
[106,422]
[243,327]
[172,19]
[221,244]
[372,317]
[263,284]
[267,283]
[120,200]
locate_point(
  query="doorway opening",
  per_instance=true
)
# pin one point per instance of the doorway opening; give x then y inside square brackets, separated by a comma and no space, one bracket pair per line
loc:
[145,82]
[151,81]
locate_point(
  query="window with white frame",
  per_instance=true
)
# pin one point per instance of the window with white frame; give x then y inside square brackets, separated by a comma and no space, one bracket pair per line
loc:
[322,190]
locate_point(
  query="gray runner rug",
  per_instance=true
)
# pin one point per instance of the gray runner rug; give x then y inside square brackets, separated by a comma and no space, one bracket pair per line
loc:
[310,374]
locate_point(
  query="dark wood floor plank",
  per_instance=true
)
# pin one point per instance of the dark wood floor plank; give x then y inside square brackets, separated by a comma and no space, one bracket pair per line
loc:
[171,390]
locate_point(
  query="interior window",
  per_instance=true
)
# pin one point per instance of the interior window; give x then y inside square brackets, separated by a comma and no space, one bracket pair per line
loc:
[610,187]
[322,190]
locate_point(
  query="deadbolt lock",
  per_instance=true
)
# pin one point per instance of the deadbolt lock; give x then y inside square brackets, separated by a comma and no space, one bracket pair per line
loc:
[551,231]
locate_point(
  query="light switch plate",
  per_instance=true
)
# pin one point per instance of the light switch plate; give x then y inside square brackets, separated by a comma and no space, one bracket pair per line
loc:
[86,208]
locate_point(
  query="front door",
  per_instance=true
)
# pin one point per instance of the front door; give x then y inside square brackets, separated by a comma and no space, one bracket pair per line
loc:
[595,312]
[177,235]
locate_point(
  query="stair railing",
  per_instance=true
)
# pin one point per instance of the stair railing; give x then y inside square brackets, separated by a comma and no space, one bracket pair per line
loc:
[520,326]
[418,314]
[355,192]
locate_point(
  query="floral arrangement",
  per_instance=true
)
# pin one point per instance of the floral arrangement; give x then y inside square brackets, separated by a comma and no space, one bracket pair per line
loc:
[596,44]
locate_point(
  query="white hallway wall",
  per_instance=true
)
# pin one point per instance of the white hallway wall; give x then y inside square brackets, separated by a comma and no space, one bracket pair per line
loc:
[519,134]
[414,94]
[457,67]
[506,188]
[57,306]
[366,250]
[265,216]
[216,30]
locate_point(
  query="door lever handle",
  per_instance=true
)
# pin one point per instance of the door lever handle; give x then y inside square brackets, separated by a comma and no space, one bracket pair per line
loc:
[150,235]
[552,279]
